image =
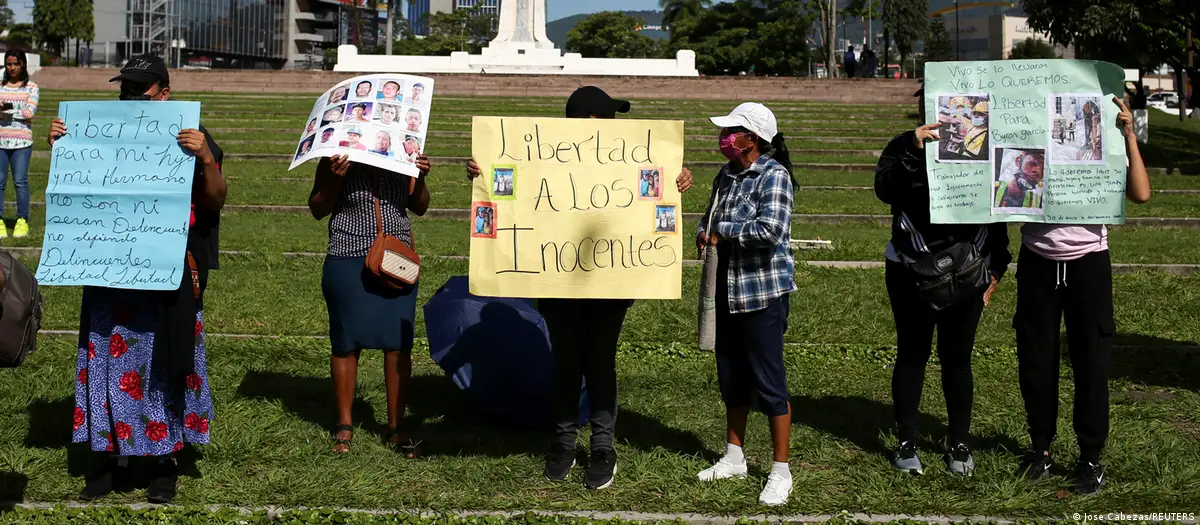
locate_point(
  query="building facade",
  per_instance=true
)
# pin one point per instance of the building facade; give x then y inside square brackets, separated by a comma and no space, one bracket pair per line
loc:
[993,37]
[419,12]
[486,7]
[237,34]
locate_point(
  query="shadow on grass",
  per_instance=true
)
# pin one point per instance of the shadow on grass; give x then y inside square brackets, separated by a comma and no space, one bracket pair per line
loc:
[49,423]
[12,489]
[861,421]
[438,412]
[1172,147]
[50,428]
[310,398]
[646,433]
[1157,361]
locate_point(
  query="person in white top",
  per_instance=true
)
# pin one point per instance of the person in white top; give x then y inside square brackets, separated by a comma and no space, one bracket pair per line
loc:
[1065,271]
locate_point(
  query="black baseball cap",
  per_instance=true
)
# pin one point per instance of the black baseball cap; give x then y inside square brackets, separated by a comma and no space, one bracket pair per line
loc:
[591,100]
[145,69]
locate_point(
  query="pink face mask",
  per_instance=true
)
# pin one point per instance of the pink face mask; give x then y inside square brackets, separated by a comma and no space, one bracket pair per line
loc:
[729,148]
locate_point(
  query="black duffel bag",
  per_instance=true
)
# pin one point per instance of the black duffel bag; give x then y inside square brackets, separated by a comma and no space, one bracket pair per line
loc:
[20,312]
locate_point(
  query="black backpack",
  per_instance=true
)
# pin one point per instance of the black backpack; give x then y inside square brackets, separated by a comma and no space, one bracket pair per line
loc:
[20,312]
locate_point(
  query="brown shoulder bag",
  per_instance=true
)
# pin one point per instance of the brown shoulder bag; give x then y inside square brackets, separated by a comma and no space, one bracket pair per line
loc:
[393,262]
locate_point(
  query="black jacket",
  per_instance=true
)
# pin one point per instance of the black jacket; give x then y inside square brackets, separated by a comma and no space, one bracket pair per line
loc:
[902,182]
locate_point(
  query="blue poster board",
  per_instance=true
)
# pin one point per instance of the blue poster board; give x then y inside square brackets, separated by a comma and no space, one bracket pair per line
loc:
[118,199]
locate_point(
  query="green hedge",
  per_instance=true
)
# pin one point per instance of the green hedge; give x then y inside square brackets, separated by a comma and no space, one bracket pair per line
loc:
[190,516]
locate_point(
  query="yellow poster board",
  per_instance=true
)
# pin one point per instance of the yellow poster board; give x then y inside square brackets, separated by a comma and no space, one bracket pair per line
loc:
[576,208]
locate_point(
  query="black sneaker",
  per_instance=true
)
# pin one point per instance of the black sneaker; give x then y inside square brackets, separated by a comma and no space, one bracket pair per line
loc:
[1035,465]
[1089,477]
[107,477]
[601,468]
[559,462]
[904,458]
[959,460]
[162,486]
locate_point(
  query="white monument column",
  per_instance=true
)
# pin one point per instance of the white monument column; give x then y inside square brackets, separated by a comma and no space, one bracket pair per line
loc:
[522,26]
[520,47]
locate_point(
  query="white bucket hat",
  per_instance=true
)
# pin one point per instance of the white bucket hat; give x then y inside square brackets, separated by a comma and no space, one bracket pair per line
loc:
[752,116]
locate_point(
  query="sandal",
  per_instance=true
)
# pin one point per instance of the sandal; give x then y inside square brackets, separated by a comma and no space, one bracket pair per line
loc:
[398,441]
[344,443]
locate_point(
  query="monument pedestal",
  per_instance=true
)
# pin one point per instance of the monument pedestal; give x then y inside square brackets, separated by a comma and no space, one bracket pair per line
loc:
[520,47]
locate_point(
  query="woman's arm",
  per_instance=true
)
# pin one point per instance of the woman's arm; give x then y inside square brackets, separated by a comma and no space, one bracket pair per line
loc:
[769,227]
[901,160]
[213,187]
[702,230]
[29,107]
[418,201]
[327,185]
[1137,181]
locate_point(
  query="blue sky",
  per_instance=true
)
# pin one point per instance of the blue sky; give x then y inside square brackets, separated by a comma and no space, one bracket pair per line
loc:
[22,12]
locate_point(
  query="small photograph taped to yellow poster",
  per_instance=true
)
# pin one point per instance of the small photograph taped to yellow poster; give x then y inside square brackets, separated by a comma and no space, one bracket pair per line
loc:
[575,208]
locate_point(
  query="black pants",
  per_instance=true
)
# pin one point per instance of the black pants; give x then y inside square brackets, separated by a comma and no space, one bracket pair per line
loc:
[915,323]
[1080,291]
[749,354]
[583,336]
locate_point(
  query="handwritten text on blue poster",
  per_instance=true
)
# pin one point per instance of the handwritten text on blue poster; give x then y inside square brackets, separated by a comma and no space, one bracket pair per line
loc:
[119,195]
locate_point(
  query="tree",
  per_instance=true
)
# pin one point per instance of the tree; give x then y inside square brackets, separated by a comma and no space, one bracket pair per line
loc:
[906,23]
[747,36]
[611,35]
[679,10]
[58,20]
[6,16]
[1032,48]
[21,35]
[827,11]
[937,44]
[1141,34]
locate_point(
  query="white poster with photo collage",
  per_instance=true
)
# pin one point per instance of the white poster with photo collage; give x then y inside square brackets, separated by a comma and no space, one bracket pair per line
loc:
[380,120]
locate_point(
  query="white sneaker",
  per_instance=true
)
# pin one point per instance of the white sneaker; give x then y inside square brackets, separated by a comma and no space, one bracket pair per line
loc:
[776,492]
[724,469]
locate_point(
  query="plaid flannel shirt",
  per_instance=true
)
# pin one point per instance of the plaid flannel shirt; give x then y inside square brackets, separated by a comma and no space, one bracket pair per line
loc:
[754,216]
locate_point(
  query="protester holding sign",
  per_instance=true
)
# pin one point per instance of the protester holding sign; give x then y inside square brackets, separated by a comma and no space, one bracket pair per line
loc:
[363,202]
[142,385]
[583,335]
[1066,271]
[18,105]
[750,220]
[915,256]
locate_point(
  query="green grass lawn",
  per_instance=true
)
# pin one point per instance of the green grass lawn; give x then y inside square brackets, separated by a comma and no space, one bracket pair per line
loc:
[273,295]
[258,182]
[273,402]
[273,405]
[1173,143]
[275,233]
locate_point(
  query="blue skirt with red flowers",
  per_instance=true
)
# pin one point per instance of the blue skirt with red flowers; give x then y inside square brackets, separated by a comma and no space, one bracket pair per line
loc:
[121,397]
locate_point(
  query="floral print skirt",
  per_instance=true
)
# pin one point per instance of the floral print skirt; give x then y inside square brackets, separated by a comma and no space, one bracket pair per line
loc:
[121,397]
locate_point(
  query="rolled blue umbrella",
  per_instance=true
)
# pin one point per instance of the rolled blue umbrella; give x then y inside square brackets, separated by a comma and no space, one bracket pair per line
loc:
[497,350]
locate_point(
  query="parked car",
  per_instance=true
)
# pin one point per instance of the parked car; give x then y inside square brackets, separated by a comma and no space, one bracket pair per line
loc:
[1165,99]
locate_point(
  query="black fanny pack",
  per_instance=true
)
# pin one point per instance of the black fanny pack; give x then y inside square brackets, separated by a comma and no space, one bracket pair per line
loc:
[949,277]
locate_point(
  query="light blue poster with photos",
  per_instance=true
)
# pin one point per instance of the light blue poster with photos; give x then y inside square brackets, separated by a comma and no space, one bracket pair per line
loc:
[1025,141]
[118,198]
